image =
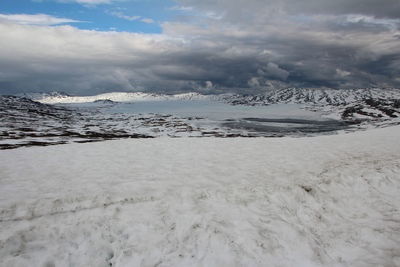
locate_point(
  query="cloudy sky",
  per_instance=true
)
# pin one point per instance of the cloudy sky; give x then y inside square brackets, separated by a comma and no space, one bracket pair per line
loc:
[86,47]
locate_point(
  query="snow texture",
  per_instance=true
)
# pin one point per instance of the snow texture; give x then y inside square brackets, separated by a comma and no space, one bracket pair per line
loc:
[320,201]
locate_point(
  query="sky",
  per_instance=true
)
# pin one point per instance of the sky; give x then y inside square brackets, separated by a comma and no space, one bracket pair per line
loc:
[85,47]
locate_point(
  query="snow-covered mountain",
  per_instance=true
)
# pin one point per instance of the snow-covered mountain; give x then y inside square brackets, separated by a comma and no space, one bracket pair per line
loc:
[315,96]
[55,98]
[346,104]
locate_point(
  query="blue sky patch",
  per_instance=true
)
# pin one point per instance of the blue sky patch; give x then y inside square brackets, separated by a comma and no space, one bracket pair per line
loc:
[142,16]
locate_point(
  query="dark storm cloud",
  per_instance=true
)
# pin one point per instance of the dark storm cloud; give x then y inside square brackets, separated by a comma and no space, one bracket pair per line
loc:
[236,45]
[377,8]
[239,8]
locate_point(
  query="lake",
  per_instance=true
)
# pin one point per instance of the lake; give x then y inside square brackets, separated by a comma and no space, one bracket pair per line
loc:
[270,120]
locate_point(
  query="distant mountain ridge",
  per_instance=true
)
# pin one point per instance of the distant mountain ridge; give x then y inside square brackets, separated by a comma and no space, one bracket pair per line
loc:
[280,96]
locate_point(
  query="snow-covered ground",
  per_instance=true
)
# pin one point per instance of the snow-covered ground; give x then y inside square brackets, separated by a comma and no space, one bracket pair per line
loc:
[320,201]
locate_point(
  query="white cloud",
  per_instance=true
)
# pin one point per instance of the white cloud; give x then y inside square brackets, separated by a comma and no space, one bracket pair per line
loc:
[181,8]
[147,20]
[342,73]
[37,19]
[390,23]
[254,82]
[123,16]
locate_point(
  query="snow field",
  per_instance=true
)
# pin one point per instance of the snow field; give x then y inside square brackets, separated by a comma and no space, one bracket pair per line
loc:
[321,201]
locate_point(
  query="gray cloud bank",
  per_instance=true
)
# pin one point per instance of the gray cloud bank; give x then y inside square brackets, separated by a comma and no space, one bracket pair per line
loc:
[222,46]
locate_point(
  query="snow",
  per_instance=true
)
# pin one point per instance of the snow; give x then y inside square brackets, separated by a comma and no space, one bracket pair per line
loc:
[320,201]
